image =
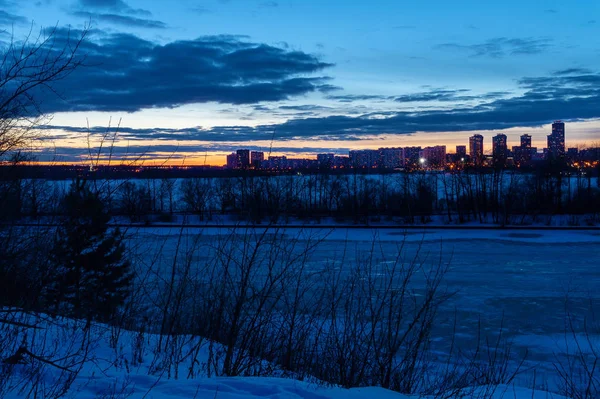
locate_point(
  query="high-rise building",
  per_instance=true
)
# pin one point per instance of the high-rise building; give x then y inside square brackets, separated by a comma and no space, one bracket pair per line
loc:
[461,151]
[556,141]
[277,162]
[325,161]
[257,158]
[526,141]
[476,148]
[523,154]
[341,162]
[233,161]
[244,158]
[364,159]
[499,150]
[390,158]
[411,157]
[435,157]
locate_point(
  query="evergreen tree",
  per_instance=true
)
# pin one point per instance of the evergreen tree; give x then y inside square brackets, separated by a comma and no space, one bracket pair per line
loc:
[93,277]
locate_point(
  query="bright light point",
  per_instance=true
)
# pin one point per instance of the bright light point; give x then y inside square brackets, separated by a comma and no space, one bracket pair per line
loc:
[462,160]
[422,160]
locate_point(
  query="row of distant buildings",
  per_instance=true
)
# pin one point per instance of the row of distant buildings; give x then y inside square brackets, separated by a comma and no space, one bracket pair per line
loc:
[432,157]
[387,158]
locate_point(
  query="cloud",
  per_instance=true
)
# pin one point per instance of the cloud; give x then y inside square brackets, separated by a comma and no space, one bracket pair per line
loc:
[306,107]
[7,18]
[573,71]
[435,95]
[116,12]
[118,6]
[216,135]
[127,73]
[6,15]
[500,47]
[141,152]
[447,95]
[348,98]
[569,97]
[124,20]
[442,95]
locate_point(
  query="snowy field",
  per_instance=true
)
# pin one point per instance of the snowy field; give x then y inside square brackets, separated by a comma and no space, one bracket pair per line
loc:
[522,283]
[111,372]
[515,280]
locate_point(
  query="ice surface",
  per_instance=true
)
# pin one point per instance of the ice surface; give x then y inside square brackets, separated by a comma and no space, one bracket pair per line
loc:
[511,279]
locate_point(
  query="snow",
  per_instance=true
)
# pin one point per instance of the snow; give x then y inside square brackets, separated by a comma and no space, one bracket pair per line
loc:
[367,234]
[247,387]
[110,373]
[511,278]
[519,278]
[114,372]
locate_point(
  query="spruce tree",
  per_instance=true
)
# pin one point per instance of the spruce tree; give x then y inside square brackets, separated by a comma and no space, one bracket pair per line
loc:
[93,277]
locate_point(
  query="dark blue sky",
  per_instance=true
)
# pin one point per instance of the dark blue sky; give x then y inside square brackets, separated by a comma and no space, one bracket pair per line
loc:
[215,74]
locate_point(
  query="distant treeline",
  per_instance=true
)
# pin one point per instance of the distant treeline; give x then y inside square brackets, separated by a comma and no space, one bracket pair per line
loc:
[481,195]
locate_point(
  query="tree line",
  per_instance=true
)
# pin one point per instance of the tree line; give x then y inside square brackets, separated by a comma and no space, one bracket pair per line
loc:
[484,195]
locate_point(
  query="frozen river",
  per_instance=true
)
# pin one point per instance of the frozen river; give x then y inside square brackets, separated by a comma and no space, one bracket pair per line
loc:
[520,279]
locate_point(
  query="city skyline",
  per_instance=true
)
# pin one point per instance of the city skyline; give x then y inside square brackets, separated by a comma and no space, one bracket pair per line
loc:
[189,82]
[498,151]
[436,157]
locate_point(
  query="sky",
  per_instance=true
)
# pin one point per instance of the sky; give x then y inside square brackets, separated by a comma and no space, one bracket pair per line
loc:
[188,81]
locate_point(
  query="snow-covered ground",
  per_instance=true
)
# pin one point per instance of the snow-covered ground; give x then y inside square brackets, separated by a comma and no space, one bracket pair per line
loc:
[524,282]
[515,280]
[124,371]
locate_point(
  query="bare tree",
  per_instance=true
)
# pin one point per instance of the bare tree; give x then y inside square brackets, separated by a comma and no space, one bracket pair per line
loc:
[28,67]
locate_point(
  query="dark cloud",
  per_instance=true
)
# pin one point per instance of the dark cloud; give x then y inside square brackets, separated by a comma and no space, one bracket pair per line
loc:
[500,47]
[216,135]
[569,97]
[7,18]
[306,107]
[435,95]
[116,12]
[493,95]
[127,73]
[124,20]
[447,95]
[107,4]
[347,98]
[115,6]
[572,71]
[442,95]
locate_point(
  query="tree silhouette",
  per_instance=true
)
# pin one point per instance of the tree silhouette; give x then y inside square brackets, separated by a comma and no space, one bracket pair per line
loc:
[93,277]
